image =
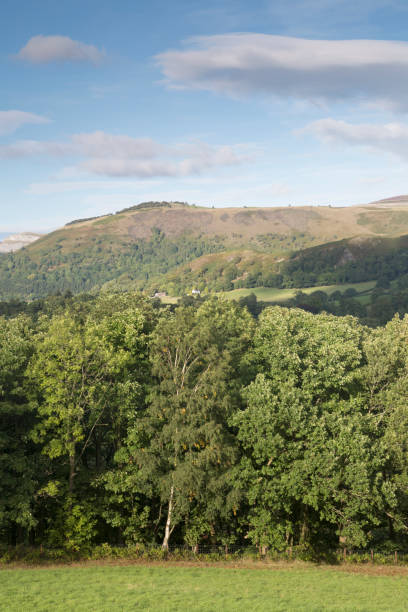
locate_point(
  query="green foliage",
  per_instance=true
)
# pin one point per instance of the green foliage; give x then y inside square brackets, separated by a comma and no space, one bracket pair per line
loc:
[373,307]
[182,447]
[151,205]
[80,221]
[73,527]
[348,261]
[302,468]
[17,458]
[200,425]
[99,263]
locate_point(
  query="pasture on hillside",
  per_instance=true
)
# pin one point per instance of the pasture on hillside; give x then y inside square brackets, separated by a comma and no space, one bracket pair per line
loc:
[173,588]
[271,294]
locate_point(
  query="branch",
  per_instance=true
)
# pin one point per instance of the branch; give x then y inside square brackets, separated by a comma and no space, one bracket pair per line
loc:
[90,434]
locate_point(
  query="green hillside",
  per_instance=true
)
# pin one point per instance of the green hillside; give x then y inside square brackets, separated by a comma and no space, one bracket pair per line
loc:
[172,247]
[354,260]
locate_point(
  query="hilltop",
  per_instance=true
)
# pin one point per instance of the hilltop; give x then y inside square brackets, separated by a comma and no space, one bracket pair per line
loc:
[317,224]
[172,245]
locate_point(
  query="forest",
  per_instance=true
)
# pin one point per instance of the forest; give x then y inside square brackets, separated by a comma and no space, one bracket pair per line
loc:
[126,423]
[99,263]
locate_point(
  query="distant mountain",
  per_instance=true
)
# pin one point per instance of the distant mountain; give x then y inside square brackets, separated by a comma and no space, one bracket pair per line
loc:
[172,247]
[15,242]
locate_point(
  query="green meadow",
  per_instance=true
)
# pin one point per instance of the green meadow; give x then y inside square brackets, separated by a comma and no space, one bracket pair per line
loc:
[169,588]
[267,294]
[270,294]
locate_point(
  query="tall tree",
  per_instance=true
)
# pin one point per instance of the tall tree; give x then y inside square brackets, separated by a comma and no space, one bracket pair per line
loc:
[86,370]
[183,448]
[309,370]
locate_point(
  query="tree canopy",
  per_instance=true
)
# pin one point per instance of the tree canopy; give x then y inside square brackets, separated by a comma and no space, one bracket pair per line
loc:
[122,422]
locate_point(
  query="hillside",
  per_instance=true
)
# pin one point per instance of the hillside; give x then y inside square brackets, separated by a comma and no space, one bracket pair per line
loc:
[350,260]
[316,224]
[171,246]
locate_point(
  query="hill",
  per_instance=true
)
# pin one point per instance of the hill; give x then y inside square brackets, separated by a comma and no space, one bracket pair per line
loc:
[350,260]
[173,246]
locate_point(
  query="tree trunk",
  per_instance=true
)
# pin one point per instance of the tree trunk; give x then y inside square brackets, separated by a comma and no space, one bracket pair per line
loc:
[71,473]
[168,530]
[391,528]
[97,452]
[304,530]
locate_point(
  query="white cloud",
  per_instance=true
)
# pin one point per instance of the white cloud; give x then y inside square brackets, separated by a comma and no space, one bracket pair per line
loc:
[100,144]
[313,70]
[56,186]
[44,49]
[93,145]
[372,180]
[11,120]
[387,138]
[153,160]
[120,155]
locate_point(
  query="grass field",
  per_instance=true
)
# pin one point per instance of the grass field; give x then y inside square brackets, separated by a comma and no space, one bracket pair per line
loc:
[169,299]
[266,294]
[269,294]
[172,588]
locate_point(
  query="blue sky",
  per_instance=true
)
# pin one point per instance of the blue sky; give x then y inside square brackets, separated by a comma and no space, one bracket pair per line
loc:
[105,104]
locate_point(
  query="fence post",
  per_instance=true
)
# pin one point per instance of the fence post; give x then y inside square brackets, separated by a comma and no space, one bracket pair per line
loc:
[395,557]
[372,556]
[344,553]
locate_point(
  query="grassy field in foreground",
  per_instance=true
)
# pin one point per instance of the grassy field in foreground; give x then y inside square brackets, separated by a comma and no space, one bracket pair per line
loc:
[161,588]
[266,294]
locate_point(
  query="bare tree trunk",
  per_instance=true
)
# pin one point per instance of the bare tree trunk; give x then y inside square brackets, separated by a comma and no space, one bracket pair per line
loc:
[168,530]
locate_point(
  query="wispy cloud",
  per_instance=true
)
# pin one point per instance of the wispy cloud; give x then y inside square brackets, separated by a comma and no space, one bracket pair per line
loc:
[57,186]
[11,120]
[44,49]
[120,155]
[314,70]
[387,138]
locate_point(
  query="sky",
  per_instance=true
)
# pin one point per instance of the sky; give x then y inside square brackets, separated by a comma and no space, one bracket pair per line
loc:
[225,103]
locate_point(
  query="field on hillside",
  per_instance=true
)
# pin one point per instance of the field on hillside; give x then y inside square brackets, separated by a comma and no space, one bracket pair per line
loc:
[270,294]
[167,588]
[266,294]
